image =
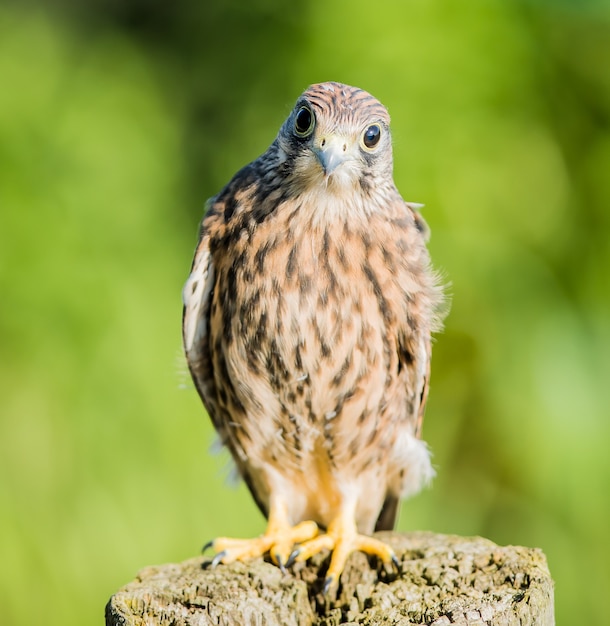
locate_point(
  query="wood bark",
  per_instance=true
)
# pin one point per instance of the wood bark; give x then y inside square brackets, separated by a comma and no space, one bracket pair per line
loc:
[442,580]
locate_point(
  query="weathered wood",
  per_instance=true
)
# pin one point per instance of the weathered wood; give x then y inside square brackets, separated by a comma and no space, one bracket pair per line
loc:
[443,579]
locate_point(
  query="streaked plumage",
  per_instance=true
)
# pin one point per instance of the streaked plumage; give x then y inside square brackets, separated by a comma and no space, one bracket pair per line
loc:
[307,324]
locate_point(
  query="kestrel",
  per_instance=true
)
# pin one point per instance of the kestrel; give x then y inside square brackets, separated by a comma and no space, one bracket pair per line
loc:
[307,322]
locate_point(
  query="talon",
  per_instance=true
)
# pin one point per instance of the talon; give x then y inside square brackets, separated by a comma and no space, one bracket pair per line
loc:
[293,557]
[278,561]
[396,563]
[207,546]
[328,582]
[218,558]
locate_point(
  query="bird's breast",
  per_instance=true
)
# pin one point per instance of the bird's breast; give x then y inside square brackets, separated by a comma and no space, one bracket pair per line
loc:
[303,338]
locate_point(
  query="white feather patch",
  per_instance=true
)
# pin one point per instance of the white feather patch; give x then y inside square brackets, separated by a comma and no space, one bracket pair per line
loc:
[413,455]
[195,294]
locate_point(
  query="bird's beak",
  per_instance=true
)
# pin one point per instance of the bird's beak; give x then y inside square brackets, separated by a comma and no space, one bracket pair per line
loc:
[331,151]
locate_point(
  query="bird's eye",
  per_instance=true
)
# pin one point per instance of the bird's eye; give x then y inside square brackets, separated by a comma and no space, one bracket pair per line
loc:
[304,122]
[371,136]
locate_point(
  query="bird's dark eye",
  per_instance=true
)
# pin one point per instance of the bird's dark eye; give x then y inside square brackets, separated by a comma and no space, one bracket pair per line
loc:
[304,122]
[371,136]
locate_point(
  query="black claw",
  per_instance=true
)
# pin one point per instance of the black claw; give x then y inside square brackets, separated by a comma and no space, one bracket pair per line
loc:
[396,563]
[218,558]
[293,557]
[207,546]
[278,559]
[327,584]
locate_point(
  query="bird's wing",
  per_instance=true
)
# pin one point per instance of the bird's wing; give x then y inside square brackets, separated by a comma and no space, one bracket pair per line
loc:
[420,222]
[414,353]
[199,288]
[197,297]
[423,384]
[424,352]
[416,376]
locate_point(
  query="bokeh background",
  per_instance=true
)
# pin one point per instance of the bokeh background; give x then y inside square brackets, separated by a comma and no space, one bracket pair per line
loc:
[117,121]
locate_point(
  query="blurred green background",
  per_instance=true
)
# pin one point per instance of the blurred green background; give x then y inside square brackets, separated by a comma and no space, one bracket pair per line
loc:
[118,119]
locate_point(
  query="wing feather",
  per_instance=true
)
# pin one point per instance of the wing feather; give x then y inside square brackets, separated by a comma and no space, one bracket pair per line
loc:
[414,353]
[197,298]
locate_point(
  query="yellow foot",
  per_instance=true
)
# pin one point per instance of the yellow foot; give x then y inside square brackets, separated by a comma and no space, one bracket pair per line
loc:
[343,539]
[278,540]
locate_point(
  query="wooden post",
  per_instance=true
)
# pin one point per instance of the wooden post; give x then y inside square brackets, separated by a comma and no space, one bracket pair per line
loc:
[443,580]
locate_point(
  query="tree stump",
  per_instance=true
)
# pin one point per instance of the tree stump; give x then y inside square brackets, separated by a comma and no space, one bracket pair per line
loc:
[442,579]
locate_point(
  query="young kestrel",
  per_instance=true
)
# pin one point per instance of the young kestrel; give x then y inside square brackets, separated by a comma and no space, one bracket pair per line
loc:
[307,322]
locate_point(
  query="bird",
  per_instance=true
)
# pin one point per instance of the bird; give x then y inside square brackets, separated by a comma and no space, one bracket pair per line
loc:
[307,326]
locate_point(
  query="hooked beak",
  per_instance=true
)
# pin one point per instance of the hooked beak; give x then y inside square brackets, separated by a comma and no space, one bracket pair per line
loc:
[331,151]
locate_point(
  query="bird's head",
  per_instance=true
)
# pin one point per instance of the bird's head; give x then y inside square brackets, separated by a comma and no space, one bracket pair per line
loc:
[337,137]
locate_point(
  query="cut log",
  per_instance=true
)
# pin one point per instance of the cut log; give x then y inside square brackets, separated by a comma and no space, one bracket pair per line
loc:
[442,580]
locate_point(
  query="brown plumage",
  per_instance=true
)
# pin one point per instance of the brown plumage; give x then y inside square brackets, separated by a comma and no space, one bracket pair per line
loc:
[307,324]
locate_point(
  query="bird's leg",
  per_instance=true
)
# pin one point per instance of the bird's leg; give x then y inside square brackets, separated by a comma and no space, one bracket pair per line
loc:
[342,538]
[279,540]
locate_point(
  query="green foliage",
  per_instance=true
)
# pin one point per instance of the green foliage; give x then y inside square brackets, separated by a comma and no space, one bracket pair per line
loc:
[116,122]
